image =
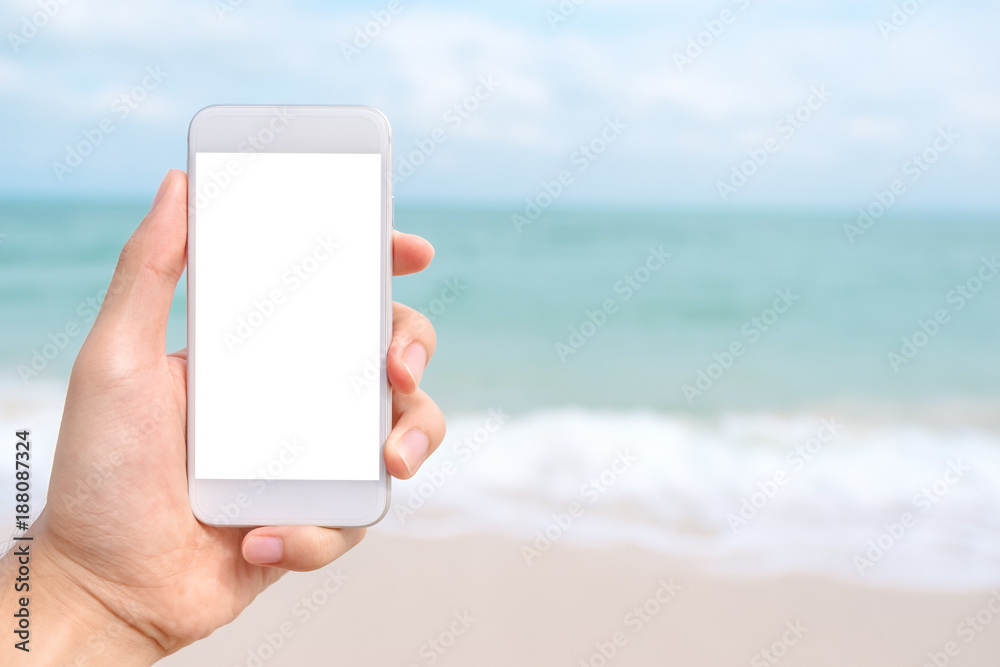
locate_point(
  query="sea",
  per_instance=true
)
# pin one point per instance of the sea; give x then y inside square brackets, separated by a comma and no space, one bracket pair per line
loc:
[764,392]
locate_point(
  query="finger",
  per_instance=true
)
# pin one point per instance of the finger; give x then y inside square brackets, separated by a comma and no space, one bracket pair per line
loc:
[138,299]
[413,344]
[299,548]
[418,429]
[410,253]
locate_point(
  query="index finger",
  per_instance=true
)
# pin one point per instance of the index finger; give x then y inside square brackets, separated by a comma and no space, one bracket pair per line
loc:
[410,253]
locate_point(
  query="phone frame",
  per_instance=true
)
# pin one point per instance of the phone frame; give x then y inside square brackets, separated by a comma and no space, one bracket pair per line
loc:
[291,129]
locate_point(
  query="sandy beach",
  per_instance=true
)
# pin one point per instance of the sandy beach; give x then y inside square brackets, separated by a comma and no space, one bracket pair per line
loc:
[473,600]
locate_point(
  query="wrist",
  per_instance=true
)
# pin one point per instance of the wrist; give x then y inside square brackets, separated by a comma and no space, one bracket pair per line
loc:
[66,623]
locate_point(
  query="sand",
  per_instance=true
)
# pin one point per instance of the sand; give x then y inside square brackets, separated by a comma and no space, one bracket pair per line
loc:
[473,600]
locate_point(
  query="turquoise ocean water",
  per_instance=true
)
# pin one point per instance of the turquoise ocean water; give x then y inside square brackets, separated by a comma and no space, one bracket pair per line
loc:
[584,336]
[515,296]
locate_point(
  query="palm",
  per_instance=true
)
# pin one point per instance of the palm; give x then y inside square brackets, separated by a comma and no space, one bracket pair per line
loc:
[154,548]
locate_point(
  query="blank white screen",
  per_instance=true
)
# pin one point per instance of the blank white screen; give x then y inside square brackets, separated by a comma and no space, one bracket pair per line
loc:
[285,327]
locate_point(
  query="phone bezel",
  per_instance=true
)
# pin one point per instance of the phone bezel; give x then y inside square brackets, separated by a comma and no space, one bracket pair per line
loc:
[303,129]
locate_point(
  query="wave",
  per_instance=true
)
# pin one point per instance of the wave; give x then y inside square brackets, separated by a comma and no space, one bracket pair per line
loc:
[886,503]
[878,501]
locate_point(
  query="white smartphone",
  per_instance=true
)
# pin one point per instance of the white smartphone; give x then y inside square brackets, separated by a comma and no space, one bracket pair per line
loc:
[289,314]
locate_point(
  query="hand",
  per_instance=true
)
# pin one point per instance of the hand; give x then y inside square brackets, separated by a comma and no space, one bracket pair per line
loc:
[116,546]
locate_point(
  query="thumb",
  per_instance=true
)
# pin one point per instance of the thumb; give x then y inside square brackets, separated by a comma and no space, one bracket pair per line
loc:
[132,323]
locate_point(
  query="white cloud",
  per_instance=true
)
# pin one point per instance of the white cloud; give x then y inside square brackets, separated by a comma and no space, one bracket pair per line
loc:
[557,87]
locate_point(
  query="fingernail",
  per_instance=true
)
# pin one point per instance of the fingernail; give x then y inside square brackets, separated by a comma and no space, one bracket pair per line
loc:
[160,191]
[415,358]
[263,550]
[412,448]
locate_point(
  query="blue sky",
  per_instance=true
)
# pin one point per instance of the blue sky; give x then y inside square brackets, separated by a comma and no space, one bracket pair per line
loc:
[686,125]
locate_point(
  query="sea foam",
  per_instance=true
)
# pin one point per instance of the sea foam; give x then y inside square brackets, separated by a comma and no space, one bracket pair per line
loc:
[877,502]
